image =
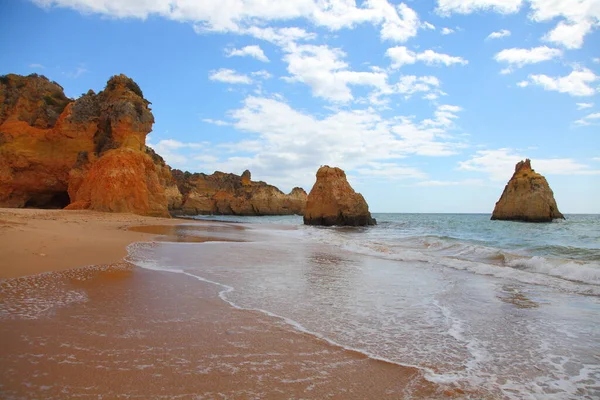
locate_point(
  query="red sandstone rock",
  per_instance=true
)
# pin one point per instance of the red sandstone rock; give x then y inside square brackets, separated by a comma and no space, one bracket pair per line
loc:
[527,197]
[332,201]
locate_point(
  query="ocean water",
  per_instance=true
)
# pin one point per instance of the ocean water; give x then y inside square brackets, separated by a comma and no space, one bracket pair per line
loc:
[506,309]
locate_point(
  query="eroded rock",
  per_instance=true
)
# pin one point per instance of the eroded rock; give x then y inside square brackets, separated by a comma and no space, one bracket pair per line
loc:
[51,147]
[332,201]
[230,194]
[527,197]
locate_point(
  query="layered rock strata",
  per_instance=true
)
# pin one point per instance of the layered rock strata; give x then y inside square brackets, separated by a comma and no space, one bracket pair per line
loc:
[229,194]
[91,153]
[332,201]
[527,197]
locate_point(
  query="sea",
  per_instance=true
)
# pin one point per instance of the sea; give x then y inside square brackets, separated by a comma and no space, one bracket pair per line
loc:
[507,309]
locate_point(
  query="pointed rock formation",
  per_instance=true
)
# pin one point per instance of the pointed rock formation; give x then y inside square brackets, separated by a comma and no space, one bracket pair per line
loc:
[332,201]
[527,197]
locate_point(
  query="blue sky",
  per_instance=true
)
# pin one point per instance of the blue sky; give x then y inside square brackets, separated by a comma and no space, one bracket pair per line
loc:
[427,105]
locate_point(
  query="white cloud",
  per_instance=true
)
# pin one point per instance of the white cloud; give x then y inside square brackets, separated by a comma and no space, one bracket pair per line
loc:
[323,69]
[396,22]
[569,35]
[590,119]
[596,60]
[399,23]
[450,108]
[264,74]
[329,76]
[499,164]
[464,182]
[447,31]
[499,34]
[390,171]
[447,7]
[288,145]
[411,84]
[577,83]
[593,116]
[251,51]
[229,76]
[520,57]
[217,122]
[583,106]
[400,56]
[279,36]
[37,66]
[580,17]
[523,84]
[445,115]
[168,149]
[431,96]
[427,25]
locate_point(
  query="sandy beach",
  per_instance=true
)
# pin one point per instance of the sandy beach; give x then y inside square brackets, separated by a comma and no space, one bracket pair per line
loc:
[108,329]
[34,241]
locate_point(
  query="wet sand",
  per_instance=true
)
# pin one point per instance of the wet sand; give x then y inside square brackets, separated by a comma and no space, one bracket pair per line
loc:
[118,331]
[121,331]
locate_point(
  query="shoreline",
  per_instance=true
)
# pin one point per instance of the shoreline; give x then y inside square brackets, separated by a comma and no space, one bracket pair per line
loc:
[52,323]
[34,241]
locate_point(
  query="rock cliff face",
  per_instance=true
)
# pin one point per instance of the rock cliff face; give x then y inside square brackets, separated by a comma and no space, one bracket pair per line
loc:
[91,153]
[332,201]
[88,153]
[230,194]
[527,197]
[34,157]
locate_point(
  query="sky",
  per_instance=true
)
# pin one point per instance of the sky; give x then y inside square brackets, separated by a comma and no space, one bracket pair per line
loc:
[427,105]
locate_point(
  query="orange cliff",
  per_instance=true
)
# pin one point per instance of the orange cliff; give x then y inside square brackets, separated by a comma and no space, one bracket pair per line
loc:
[91,153]
[84,154]
[230,194]
[527,197]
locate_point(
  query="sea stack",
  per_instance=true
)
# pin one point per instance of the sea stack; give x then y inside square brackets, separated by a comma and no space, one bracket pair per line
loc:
[527,197]
[332,201]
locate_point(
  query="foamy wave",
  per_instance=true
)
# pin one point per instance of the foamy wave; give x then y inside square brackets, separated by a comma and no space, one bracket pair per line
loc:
[566,275]
[573,271]
[476,370]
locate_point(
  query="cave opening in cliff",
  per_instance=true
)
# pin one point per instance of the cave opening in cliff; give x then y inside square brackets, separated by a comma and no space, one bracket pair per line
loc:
[52,200]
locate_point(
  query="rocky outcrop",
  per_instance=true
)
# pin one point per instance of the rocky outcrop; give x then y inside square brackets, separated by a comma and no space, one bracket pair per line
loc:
[527,197]
[34,158]
[87,153]
[230,194]
[332,201]
[91,153]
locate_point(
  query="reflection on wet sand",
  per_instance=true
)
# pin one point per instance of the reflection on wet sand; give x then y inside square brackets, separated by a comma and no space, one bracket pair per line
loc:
[119,331]
[512,295]
[188,233]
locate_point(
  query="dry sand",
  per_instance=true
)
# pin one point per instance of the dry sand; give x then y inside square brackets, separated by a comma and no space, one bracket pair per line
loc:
[34,241]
